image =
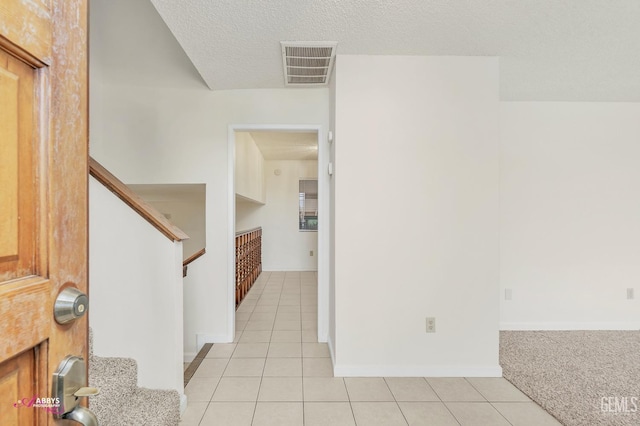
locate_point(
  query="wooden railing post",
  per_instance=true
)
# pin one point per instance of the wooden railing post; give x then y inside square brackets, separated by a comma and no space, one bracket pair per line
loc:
[248,261]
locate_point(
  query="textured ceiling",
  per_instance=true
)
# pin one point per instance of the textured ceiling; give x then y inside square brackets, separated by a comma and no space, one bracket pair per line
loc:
[287,145]
[549,49]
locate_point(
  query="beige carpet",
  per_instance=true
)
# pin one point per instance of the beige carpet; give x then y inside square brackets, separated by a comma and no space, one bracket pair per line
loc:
[583,378]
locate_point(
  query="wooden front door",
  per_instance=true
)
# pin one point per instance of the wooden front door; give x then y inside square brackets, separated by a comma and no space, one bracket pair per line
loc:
[43,197]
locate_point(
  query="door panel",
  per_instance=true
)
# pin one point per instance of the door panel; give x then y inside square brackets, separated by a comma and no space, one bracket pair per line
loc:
[17,199]
[43,196]
[17,381]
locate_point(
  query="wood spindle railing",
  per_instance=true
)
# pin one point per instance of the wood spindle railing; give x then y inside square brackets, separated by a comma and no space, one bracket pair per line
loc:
[248,261]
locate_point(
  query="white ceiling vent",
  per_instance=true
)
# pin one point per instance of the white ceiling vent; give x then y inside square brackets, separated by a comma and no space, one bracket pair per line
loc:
[307,63]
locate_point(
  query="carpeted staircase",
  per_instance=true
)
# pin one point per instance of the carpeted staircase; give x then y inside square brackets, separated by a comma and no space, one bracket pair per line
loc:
[121,402]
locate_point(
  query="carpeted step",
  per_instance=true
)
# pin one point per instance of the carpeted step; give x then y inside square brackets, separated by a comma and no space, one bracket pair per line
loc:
[121,402]
[117,380]
[150,407]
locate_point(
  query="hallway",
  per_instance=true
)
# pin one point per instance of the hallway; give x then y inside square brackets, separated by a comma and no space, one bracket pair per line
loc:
[276,374]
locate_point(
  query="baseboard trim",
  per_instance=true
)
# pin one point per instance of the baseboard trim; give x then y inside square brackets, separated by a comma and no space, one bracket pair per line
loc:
[183,404]
[202,339]
[414,371]
[569,326]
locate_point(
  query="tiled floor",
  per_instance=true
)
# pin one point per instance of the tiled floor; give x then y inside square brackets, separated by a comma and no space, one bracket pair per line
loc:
[277,374]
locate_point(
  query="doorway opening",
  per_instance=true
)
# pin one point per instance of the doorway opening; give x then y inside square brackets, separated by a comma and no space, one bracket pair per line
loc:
[278,186]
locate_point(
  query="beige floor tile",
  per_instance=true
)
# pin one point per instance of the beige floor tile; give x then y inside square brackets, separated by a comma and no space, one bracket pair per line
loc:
[377,414]
[411,389]
[244,367]
[210,367]
[278,389]
[310,336]
[427,414]
[288,316]
[309,308]
[266,308]
[193,414]
[200,390]
[476,414]
[497,389]
[243,316]
[251,350]
[325,389]
[289,309]
[454,389]
[290,302]
[221,350]
[317,367]
[237,336]
[368,389]
[278,414]
[288,325]
[267,302]
[259,326]
[250,336]
[328,414]
[286,336]
[525,414]
[309,325]
[237,389]
[229,413]
[283,367]
[309,316]
[240,325]
[263,316]
[245,308]
[290,297]
[315,350]
[285,350]
[248,306]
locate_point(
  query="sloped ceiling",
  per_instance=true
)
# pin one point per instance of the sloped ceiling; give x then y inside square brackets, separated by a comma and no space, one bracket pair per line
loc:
[549,49]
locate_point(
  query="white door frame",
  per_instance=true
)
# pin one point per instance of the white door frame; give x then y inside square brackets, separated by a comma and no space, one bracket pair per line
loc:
[323,224]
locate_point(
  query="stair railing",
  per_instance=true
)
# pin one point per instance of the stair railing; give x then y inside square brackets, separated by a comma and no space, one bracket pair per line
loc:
[190,259]
[133,200]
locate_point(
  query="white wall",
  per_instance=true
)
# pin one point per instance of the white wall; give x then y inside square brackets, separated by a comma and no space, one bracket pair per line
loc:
[247,214]
[136,291]
[158,135]
[285,248]
[185,206]
[249,171]
[416,216]
[570,239]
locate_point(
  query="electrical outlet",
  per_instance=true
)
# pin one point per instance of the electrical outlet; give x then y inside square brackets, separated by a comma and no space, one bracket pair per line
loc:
[507,294]
[630,293]
[431,324]
[310,252]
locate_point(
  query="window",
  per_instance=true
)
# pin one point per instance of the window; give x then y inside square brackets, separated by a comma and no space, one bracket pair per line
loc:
[308,205]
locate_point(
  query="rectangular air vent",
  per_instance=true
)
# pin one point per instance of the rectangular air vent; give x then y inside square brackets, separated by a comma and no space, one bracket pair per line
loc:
[307,63]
